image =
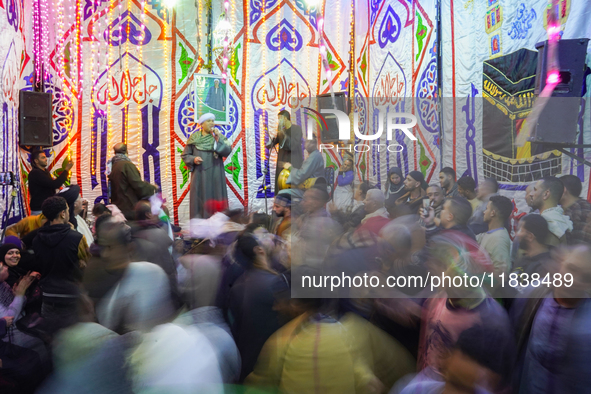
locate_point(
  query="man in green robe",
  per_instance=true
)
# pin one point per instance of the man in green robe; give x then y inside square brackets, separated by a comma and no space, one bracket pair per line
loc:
[203,156]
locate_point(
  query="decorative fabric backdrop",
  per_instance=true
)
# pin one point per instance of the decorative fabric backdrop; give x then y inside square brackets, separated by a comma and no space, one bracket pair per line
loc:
[119,71]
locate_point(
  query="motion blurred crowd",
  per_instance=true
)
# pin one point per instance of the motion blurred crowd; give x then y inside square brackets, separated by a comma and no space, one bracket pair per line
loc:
[112,302]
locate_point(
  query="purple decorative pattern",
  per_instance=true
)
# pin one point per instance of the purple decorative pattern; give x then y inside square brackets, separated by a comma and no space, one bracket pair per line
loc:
[426,100]
[256,8]
[360,108]
[99,121]
[261,120]
[284,36]
[63,114]
[310,12]
[12,13]
[118,31]
[389,28]
[186,117]
[228,130]
[151,149]
[375,7]
[402,162]
[469,109]
[91,6]
[186,114]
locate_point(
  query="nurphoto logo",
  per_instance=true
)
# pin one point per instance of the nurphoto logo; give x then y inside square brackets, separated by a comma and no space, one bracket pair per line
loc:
[389,120]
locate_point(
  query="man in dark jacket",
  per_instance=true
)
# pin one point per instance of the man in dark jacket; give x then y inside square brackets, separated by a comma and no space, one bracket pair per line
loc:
[127,186]
[62,254]
[289,144]
[41,183]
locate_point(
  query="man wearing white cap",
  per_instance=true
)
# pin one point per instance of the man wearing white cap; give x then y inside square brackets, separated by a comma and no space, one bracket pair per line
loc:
[203,156]
[216,96]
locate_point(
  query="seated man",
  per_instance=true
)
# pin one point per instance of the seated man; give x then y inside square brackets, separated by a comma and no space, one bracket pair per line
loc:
[376,215]
[25,226]
[312,168]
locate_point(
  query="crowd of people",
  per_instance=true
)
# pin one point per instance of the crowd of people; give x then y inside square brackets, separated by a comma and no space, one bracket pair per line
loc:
[113,300]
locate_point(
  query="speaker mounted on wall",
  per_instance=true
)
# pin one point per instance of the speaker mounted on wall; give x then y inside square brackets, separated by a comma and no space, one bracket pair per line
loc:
[325,101]
[35,123]
[557,123]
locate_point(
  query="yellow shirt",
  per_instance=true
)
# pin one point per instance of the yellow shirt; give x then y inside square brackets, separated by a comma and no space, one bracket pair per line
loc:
[330,358]
[475,203]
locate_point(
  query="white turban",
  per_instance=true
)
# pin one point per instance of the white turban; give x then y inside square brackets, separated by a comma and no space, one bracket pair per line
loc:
[206,117]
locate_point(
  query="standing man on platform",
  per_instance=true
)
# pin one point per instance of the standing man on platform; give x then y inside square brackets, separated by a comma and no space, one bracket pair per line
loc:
[204,157]
[289,141]
[41,183]
[127,186]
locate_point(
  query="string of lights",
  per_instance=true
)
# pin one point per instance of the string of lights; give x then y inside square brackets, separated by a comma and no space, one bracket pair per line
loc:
[167,169]
[44,28]
[264,79]
[225,44]
[108,71]
[36,42]
[92,79]
[80,69]
[165,113]
[352,69]
[139,50]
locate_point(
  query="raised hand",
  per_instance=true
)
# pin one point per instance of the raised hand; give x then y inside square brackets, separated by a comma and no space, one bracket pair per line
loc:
[9,320]
[23,285]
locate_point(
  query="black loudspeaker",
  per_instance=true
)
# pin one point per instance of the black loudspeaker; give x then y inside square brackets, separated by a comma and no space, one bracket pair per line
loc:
[557,123]
[35,124]
[325,102]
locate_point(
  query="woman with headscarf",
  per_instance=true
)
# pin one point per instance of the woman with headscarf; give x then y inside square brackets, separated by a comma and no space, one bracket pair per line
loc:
[13,300]
[394,188]
[10,256]
[20,265]
[204,157]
